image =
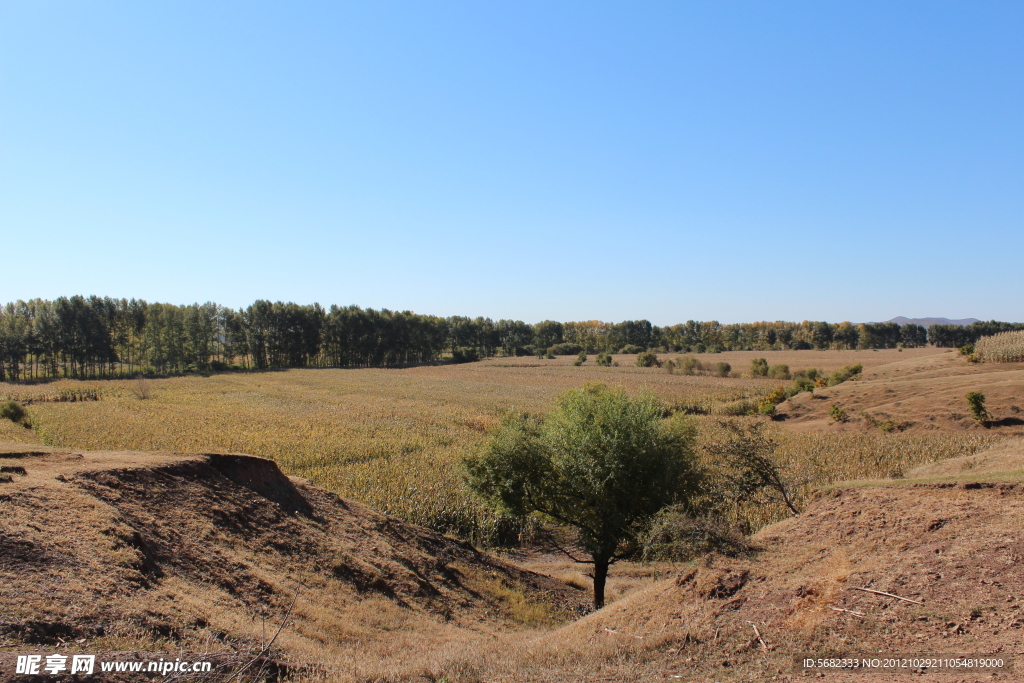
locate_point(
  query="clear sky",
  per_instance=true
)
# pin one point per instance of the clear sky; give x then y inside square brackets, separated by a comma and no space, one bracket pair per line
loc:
[736,161]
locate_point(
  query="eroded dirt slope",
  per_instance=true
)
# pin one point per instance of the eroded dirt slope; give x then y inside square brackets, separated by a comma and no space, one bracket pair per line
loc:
[955,548]
[129,551]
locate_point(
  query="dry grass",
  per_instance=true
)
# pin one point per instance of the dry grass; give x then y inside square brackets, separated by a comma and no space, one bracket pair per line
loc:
[391,438]
[1005,347]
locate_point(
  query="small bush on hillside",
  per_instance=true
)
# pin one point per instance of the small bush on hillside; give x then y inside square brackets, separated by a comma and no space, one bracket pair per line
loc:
[838,414]
[465,354]
[759,367]
[723,369]
[966,349]
[15,412]
[780,371]
[603,359]
[580,359]
[777,396]
[631,349]
[767,408]
[801,384]
[845,373]
[976,404]
[647,360]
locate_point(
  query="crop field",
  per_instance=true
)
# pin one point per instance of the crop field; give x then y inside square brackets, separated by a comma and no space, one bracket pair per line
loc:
[392,438]
[1005,347]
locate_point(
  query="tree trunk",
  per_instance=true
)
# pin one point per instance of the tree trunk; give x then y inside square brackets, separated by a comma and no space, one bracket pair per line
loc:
[600,577]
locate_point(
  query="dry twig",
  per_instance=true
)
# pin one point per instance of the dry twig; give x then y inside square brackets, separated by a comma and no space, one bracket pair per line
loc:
[888,595]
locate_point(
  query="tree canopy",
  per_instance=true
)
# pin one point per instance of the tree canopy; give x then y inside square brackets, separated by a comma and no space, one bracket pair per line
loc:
[602,462]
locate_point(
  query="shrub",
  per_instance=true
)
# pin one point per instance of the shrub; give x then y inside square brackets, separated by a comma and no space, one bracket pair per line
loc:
[845,373]
[677,534]
[465,354]
[741,407]
[767,408]
[631,349]
[966,349]
[565,349]
[723,369]
[777,396]
[801,384]
[780,371]
[688,365]
[976,404]
[838,414]
[670,367]
[580,359]
[647,360]
[15,412]
[603,359]
[759,367]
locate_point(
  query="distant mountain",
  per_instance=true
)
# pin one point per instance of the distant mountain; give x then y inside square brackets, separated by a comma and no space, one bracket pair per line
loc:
[928,322]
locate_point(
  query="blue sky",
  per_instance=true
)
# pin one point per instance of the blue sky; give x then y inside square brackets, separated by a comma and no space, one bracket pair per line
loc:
[736,161]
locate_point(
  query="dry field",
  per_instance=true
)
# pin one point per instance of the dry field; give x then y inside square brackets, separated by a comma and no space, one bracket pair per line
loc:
[391,438]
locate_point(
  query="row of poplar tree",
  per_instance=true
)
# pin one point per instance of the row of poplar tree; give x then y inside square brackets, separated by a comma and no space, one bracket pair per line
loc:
[104,337]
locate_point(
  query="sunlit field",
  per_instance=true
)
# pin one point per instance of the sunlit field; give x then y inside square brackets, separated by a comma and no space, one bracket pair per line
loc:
[392,438]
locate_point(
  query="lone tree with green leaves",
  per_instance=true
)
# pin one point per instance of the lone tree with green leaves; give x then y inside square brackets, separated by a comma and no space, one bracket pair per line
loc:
[602,462]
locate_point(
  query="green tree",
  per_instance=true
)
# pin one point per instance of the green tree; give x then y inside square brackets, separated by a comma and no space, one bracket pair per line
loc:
[602,463]
[976,403]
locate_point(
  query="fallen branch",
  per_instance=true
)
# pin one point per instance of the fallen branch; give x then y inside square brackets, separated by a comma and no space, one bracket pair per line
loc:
[888,595]
[764,646]
[850,611]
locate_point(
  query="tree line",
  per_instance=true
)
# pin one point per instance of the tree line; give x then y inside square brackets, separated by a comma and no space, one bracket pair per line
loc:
[88,337]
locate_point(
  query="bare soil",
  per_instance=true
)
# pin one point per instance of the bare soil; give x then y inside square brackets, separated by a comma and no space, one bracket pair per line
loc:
[208,553]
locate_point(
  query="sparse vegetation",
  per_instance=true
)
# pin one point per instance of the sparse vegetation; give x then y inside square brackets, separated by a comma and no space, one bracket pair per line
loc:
[723,369]
[780,371]
[603,360]
[759,367]
[838,414]
[750,454]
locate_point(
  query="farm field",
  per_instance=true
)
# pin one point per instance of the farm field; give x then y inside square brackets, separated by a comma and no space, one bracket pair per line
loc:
[391,438]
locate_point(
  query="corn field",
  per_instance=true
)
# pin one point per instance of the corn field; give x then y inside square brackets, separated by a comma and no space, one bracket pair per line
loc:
[393,438]
[1005,347]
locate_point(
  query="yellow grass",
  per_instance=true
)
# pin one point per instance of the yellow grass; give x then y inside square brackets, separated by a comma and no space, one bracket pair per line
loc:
[392,437]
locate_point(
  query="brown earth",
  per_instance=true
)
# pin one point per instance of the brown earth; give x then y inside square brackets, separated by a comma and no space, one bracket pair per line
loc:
[918,393]
[169,552]
[953,549]
[210,553]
